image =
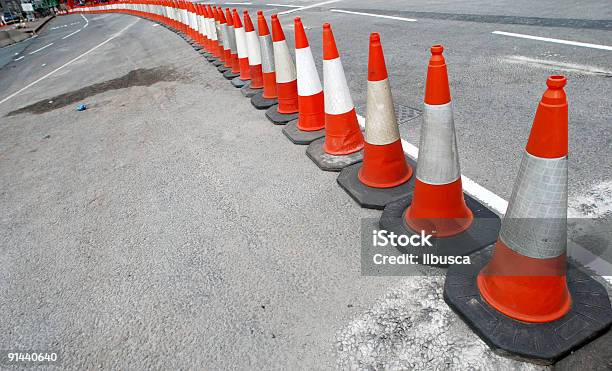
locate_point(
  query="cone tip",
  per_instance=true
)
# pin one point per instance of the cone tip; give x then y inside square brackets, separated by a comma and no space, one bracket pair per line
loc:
[275,17]
[437,49]
[260,13]
[326,26]
[556,81]
[374,37]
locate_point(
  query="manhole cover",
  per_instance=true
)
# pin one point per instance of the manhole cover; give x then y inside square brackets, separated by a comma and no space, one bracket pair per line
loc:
[402,112]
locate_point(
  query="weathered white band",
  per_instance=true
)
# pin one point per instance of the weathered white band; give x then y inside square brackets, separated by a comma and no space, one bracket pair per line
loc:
[267,54]
[380,125]
[535,223]
[285,68]
[438,161]
[253,48]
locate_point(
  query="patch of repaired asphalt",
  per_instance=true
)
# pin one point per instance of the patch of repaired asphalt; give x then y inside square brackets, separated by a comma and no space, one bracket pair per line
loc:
[411,327]
[137,77]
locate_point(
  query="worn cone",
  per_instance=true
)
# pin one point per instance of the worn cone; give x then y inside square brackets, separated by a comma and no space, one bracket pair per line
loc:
[231,34]
[286,77]
[343,135]
[384,164]
[267,57]
[241,46]
[254,52]
[525,278]
[310,92]
[438,206]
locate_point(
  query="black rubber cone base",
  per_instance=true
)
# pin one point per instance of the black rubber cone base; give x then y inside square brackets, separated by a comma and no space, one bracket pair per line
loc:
[374,198]
[297,136]
[280,118]
[239,83]
[197,47]
[211,58]
[542,343]
[217,62]
[230,75]
[249,92]
[327,162]
[204,53]
[483,232]
[223,69]
[259,102]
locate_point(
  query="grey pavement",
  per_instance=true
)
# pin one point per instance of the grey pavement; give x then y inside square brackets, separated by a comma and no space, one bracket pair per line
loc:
[161,229]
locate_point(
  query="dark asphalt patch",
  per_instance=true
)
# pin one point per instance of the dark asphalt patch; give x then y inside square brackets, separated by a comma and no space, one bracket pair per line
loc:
[595,24]
[137,77]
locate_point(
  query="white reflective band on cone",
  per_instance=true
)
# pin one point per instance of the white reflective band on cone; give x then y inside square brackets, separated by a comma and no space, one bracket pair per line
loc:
[438,161]
[308,79]
[267,54]
[253,48]
[337,95]
[285,69]
[380,125]
[213,29]
[535,223]
[241,43]
[231,36]
[224,39]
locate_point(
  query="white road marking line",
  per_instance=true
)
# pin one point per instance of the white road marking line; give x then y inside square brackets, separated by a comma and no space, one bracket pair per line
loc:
[44,47]
[86,21]
[155,24]
[44,64]
[285,5]
[375,15]
[239,3]
[70,34]
[557,41]
[309,6]
[69,62]
[20,58]
[500,205]
[553,65]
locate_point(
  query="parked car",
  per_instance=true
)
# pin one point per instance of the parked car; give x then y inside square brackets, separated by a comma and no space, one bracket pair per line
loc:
[9,18]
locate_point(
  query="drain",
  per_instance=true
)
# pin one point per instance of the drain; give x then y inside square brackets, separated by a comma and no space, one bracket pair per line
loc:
[402,112]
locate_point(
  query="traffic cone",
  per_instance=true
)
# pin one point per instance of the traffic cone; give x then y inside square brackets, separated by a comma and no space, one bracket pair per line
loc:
[267,98]
[437,206]
[203,27]
[286,79]
[213,45]
[227,51]
[343,142]
[254,52]
[384,174]
[243,56]
[231,35]
[310,124]
[220,52]
[537,306]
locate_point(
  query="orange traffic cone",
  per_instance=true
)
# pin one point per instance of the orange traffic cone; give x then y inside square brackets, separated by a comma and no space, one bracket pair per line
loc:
[220,52]
[384,173]
[310,124]
[233,49]
[343,142]
[254,53]
[286,78]
[538,311]
[227,50]
[213,46]
[459,224]
[243,56]
[267,98]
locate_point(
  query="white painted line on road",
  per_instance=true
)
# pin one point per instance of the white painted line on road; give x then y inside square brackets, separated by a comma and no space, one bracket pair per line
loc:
[155,25]
[500,205]
[238,3]
[309,7]
[20,58]
[44,47]
[70,34]
[69,62]
[285,5]
[557,41]
[553,65]
[86,21]
[375,15]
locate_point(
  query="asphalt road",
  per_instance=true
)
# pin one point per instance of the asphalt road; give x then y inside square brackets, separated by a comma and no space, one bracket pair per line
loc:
[162,229]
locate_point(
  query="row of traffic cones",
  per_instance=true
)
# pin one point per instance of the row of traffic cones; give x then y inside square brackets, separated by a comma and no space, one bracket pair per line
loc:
[518,293]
